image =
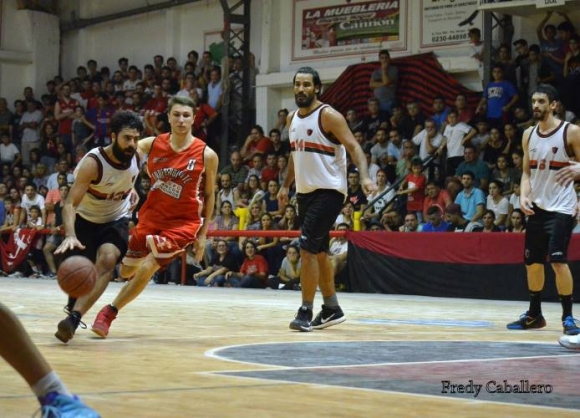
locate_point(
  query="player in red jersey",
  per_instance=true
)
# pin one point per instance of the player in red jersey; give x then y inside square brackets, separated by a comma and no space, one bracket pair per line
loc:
[183,172]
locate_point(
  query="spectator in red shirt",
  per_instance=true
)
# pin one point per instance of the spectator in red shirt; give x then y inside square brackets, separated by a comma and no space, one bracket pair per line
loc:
[270,171]
[256,142]
[254,270]
[434,196]
[205,115]
[414,187]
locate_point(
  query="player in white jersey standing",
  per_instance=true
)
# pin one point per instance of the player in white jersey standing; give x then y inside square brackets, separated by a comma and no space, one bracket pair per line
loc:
[97,211]
[551,206]
[319,139]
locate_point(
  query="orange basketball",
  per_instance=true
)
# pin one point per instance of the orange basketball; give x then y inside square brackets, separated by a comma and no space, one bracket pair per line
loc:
[77,275]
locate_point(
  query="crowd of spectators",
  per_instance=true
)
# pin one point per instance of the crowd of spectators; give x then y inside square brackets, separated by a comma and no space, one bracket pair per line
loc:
[453,168]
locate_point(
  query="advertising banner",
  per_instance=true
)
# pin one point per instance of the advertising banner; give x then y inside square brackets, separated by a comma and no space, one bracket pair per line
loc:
[447,22]
[336,27]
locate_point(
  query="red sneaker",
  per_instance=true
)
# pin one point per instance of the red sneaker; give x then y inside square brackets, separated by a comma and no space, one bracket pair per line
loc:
[103,321]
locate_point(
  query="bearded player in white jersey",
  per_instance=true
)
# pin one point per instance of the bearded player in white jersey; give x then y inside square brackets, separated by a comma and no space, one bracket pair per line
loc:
[97,211]
[551,207]
[319,140]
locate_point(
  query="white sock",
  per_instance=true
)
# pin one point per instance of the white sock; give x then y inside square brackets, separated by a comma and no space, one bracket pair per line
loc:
[49,383]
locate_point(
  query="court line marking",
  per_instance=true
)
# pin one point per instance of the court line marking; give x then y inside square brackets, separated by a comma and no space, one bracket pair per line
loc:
[159,390]
[277,382]
[213,353]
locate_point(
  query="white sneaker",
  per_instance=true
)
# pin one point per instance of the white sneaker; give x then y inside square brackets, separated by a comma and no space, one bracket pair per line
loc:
[16,274]
[570,341]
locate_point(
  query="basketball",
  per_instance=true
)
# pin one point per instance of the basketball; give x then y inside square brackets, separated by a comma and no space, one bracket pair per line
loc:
[76,276]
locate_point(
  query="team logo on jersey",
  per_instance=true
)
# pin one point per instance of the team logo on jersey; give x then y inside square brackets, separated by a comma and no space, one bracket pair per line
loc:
[554,150]
[190,165]
[309,132]
[542,165]
[159,159]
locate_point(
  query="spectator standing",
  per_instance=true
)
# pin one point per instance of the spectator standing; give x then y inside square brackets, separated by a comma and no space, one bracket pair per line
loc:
[414,188]
[571,84]
[30,127]
[9,153]
[440,112]
[384,81]
[430,143]
[5,116]
[100,120]
[551,46]
[64,113]
[474,35]
[456,134]
[464,113]
[539,71]
[499,96]
[522,62]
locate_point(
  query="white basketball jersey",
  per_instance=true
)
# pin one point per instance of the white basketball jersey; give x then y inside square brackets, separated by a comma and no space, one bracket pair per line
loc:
[547,154]
[319,159]
[107,198]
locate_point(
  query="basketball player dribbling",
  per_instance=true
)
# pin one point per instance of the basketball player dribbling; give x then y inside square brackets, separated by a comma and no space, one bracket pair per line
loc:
[183,172]
[97,211]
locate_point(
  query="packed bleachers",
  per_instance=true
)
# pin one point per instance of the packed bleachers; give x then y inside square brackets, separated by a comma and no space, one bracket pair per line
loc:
[471,141]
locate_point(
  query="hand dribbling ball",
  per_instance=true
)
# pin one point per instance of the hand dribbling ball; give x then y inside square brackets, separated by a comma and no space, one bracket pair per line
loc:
[76,276]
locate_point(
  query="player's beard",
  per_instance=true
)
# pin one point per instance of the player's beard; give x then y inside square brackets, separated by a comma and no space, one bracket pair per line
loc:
[539,114]
[123,155]
[303,100]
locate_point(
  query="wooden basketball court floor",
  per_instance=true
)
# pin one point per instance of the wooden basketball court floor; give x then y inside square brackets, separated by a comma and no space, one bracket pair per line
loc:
[208,352]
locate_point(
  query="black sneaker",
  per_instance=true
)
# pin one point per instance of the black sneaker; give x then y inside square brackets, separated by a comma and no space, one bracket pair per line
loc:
[68,326]
[302,320]
[328,317]
[528,322]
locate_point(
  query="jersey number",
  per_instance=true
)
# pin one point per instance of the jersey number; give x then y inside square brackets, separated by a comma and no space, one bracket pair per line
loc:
[300,145]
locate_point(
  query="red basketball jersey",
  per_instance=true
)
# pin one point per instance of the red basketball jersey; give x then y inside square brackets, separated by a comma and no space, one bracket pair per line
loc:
[177,195]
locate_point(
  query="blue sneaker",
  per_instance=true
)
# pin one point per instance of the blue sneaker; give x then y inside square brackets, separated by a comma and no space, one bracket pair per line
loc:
[570,326]
[527,322]
[57,405]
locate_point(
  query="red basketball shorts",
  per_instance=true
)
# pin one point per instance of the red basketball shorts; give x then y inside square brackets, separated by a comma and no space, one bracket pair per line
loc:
[165,244]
